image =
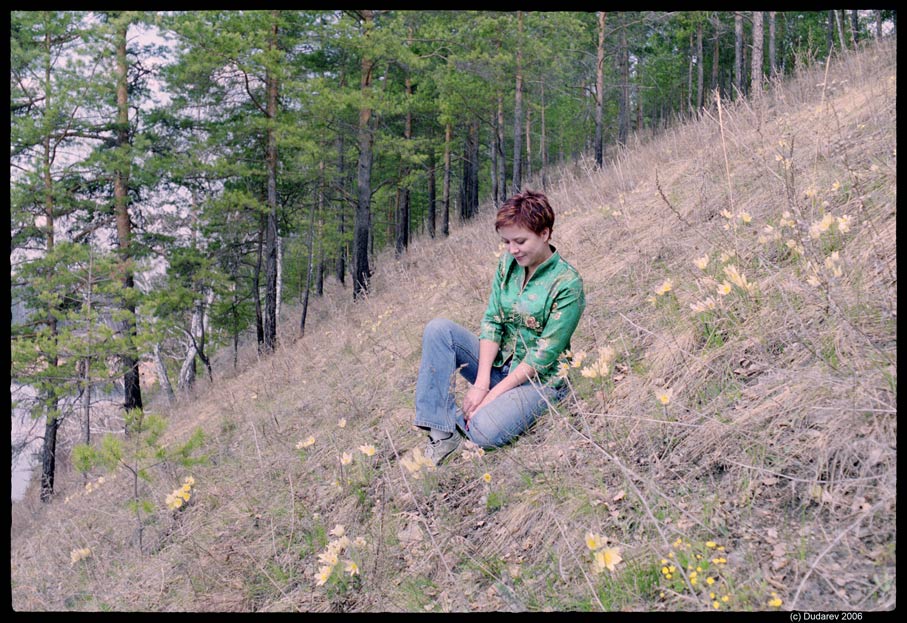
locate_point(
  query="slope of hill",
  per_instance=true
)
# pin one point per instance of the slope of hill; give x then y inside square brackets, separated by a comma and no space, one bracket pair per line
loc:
[739,453]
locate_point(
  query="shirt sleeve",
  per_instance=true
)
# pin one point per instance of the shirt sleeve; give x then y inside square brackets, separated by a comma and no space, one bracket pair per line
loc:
[568,306]
[493,321]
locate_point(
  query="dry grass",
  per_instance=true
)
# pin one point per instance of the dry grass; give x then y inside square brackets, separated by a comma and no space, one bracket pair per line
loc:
[778,443]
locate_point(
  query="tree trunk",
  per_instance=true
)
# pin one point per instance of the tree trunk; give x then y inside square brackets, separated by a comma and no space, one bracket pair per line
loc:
[308,281]
[738,53]
[518,109]
[830,32]
[271,232]
[445,202]
[690,75]
[502,154]
[340,266]
[48,450]
[772,46]
[716,57]
[543,145]
[878,24]
[528,141]
[854,28]
[700,67]
[162,374]
[362,224]
[432,192]
[600,91]
[49,457]
[132,390]
[623,109]
[493,155]
[840,27]
[256,286]
[756,70]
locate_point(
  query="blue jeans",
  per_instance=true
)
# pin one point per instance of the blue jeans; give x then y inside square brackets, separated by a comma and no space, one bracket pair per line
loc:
[448,347]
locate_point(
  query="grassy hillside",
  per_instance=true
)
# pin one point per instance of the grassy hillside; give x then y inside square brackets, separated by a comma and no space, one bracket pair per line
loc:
[739,453]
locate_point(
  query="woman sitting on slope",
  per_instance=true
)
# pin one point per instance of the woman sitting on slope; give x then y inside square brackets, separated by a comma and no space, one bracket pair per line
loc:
[535,305]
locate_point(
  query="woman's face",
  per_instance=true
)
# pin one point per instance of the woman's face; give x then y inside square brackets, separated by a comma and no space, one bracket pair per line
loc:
[528,248]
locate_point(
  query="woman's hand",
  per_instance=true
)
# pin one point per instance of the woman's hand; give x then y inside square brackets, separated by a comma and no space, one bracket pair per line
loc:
[474,398]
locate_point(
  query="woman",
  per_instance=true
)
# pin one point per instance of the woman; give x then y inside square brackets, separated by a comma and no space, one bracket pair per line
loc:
[535,304]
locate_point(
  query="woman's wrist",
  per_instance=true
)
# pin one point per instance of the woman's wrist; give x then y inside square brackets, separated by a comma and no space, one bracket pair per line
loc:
[484,389]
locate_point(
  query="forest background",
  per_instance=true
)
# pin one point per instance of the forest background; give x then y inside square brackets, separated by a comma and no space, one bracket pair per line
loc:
[168,199]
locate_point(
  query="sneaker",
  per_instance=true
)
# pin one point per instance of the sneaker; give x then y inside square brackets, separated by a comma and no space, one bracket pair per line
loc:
[437,451]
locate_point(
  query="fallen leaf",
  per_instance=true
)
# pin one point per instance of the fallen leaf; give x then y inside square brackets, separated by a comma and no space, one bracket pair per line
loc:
[620,495]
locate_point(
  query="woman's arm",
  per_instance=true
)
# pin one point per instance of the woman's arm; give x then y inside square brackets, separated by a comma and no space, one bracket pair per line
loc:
[488,350]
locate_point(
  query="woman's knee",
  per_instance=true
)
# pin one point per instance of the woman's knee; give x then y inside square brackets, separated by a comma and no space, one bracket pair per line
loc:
[435,328]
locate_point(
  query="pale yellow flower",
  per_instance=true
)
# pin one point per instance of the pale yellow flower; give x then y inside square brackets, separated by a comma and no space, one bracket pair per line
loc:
[844,222]
[602,366]
[595,541]
[328,558]
[338,531]
[665,287]
[578,358]
[79,554]
[607,558]
[821,226]
[703,306]
[351,567]
[664,396]
[775,601]
[346,458]
[702,262]
[745,217]
[189,480]
[360,542]
[737,278]
[486,477]
[727,214]
[367,449]
[305,444]
[836,185]
[323,575]
[341,422]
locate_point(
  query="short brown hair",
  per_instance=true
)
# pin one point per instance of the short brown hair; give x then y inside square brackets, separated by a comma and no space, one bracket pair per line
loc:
[528,209]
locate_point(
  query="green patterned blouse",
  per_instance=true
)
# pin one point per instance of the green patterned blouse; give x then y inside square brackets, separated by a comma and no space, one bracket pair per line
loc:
[533,324]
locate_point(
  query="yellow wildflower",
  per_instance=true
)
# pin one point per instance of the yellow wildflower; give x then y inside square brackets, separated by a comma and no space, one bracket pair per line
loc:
[737,278]
[726,598]
[724,289]
[665,287]
[745,217]
[775,601]
[844,223]
[664,397]
[79,554]
[341,422]
[578,358]
[338,531]
[710,581]
[821,226]
[323,575]
[351,567]
[367,449]
[702,262]
[346,458]
[833,263]
[486,477]
[606,558]
[711,544]
[328,558]
[185,495]
[305,444]
[836,185]
[726,214]
[595,541]
[715,604]
[602,366]
[189,480]
[703,306]
[360,542]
